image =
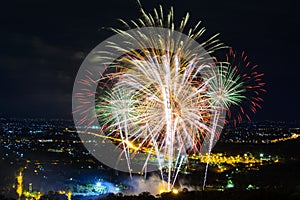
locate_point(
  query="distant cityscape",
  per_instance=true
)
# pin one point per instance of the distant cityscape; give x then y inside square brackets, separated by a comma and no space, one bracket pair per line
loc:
[265,132]
[42,158]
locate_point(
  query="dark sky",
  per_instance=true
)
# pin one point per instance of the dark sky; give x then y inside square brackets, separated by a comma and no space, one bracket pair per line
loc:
[43,43]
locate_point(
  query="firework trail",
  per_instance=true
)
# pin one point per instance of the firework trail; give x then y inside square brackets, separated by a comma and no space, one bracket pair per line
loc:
[164,95]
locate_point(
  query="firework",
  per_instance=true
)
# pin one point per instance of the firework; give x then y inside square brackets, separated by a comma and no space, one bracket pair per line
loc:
[159,93]
[158,100]
[233,88]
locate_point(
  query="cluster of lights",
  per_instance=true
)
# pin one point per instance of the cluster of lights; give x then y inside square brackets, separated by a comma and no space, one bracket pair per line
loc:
[219,158]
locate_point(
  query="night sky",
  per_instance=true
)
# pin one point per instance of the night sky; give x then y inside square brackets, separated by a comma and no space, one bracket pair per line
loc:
[43,43]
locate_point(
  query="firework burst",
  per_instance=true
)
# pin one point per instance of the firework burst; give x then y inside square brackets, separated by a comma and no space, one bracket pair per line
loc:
[163,94]
[159,98]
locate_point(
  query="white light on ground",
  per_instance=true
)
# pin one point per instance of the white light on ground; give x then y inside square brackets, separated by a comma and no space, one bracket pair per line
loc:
[261,155]
[98,184]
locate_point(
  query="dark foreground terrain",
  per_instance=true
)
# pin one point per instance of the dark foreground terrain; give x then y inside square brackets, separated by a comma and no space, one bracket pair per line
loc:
[279,194]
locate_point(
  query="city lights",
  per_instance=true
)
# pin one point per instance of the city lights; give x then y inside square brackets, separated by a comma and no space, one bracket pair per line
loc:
[225,165]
